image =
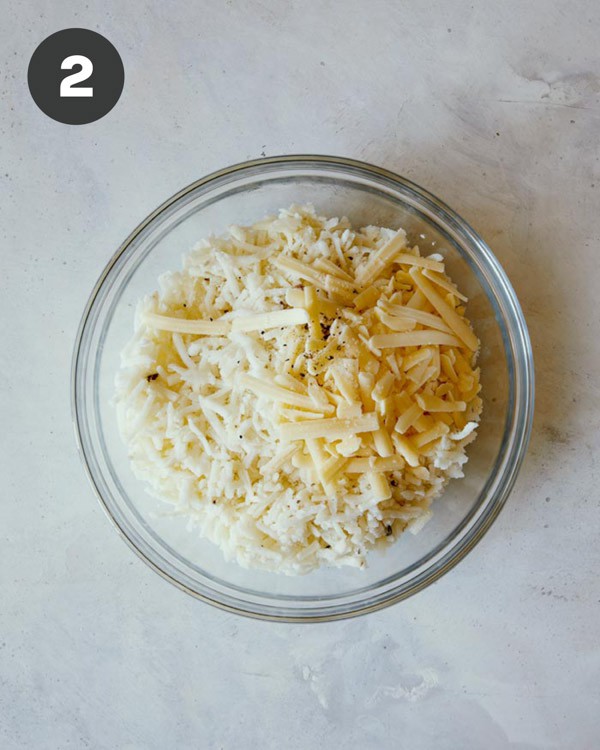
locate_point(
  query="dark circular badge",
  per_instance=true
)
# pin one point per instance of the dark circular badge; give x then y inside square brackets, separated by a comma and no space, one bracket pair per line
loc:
[76,76]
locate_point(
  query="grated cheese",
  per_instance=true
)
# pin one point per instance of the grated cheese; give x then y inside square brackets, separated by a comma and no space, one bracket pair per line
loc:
[379,260]
[264,321]
[414,338]
[450,316]
[301,390]
[332,429]
[184,325]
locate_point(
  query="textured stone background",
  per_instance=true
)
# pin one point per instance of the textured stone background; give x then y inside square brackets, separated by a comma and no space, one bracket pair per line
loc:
[493,106]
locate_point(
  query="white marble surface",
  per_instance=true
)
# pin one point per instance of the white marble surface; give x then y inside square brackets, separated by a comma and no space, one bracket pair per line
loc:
[493,106]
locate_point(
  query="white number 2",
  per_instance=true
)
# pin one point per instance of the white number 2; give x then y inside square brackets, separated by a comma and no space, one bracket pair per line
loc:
[66,85]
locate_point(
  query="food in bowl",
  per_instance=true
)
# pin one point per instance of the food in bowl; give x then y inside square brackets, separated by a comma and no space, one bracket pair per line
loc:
[301,390]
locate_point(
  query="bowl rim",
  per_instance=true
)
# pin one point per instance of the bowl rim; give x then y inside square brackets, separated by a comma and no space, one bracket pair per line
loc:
[525,405]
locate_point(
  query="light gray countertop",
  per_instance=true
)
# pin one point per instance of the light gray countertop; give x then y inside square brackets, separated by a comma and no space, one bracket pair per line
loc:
[495,107]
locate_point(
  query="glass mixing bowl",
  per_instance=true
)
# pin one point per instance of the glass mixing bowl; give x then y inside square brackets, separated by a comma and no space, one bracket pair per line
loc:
[367,195]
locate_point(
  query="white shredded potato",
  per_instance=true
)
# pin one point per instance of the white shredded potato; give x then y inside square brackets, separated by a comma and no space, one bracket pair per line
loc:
[301,390]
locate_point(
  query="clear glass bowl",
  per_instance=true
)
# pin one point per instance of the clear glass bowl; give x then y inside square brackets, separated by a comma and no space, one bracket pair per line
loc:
[367,195]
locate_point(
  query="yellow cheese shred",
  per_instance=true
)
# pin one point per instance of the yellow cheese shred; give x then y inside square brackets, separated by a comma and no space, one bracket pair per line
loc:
[181,325]
[332,429]
[417,260]
[264,321]
[443,283]
[374,464]
[408,418]
[380,486]
[434,404]
[379,261]
[276,392]
[414,338]
[415,316]
[450,316]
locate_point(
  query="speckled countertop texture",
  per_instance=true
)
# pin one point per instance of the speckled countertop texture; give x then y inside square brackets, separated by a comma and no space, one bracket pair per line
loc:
[495,107]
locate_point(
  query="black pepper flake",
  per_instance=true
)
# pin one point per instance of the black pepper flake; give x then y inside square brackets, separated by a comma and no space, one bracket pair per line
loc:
[388,530]
[394,483]
[152,377]
[328,546]
[185,304]
[210,320]
[325,330]
[262,333]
